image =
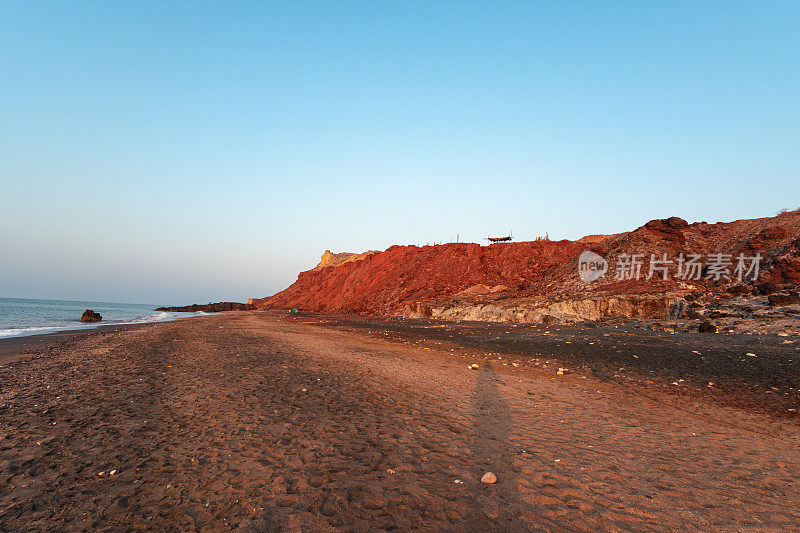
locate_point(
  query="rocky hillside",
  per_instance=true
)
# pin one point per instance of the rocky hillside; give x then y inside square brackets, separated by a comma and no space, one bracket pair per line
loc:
[210,307]
[330,259]
[538,281]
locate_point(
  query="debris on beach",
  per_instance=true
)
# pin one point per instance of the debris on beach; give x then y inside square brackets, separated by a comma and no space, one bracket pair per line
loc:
[489,477]
[707,327]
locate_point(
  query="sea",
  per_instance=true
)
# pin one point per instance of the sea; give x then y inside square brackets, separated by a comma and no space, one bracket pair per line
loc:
[20,316]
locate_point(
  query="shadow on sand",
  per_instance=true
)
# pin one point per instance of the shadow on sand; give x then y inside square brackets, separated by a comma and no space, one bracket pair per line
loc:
[498,506]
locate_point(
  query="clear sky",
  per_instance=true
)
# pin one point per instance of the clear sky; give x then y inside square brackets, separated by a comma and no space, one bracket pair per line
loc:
[179,152]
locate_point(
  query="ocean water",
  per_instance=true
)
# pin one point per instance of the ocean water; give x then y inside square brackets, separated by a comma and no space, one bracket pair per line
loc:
[20,316]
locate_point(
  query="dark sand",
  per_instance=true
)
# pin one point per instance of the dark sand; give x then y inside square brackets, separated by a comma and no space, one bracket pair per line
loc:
[207,427]
[712,367]
[14,348]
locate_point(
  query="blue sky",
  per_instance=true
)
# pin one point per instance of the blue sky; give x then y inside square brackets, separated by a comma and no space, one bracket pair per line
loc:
[178,152]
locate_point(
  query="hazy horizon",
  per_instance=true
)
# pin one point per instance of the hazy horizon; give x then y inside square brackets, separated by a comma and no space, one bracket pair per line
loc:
[184,153]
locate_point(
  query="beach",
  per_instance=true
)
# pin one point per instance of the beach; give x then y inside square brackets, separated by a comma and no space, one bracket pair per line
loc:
[263,421]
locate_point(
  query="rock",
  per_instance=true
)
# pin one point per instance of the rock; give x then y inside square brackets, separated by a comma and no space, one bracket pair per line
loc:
[692,313]
[420,310]
[766,237]
[707,327]
[489,477]
[478,288]
[718,314]
[677,308]
[738,289]
[330,259]
[767,287]
[668,229]
[784,299]
[91,316]
[218,307]
[375,504]
[473,366]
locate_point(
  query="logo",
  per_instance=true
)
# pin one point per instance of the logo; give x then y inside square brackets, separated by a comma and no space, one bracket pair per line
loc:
[591,266]
[719,267]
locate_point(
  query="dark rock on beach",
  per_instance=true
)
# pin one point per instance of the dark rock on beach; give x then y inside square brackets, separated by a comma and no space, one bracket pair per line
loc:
[218,307]
[91,316]
[739,289]
[707,327]
[784,299]
[768,287]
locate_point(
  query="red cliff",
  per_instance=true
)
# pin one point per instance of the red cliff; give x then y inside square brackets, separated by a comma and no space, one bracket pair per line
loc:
[412,280]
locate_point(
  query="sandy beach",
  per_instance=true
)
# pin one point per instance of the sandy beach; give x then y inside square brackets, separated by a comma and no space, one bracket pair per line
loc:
[265,422]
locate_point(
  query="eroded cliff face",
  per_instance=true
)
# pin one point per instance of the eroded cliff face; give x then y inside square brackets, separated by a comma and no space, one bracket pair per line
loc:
[537,281]
[557,312]
[330,259]
[384,282]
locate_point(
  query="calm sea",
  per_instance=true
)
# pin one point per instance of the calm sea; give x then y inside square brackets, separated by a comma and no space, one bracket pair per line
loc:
[19,316]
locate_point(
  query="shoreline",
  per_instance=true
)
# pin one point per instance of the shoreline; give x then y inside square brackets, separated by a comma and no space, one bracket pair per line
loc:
[12,348]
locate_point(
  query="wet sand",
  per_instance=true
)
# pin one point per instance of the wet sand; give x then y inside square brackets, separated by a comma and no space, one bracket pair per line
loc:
[260,422]
[14,348]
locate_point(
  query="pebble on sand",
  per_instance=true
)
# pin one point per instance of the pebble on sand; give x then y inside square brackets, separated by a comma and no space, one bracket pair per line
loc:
[489,477]
[473,366]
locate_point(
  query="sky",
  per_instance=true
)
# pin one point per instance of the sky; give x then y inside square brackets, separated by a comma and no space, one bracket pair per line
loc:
[181,152]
